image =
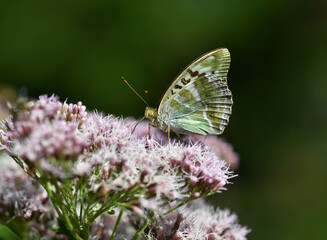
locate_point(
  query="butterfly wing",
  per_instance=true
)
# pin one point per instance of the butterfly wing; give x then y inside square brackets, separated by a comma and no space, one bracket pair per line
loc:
[199,100]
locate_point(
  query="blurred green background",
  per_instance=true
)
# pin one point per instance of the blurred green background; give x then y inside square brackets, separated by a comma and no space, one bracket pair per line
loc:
[81,49]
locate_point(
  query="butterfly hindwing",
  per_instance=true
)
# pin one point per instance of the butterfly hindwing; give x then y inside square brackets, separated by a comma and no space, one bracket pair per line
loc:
[199,100]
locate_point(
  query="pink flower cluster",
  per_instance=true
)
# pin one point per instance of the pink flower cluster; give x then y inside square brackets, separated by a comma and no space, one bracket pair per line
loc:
[124,161]
[202,168]
[21,196]
[49,131]
[61,139]
[221,148]
[45,128]
[195,221]
[198,221]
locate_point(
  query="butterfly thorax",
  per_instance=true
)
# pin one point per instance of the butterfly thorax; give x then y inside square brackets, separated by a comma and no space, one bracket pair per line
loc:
[156,121]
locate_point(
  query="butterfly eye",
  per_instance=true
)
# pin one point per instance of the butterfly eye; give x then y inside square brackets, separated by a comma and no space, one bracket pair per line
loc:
[150,112]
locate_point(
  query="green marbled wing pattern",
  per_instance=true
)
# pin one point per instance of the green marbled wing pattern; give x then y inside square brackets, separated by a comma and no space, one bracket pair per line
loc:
[204,104]
[215,63]
[201,108]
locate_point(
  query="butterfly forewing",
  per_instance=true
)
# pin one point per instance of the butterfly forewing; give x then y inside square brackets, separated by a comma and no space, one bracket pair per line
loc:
[215,63]
[199,100]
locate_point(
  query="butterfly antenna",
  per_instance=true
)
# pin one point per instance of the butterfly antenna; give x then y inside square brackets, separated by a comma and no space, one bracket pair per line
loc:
[137,124]
[135,91]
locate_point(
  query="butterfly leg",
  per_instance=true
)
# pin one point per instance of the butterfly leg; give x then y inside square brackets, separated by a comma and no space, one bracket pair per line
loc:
[150,125]
[168,130]
[148,134]
[168,134]
[179,136]
[137,124]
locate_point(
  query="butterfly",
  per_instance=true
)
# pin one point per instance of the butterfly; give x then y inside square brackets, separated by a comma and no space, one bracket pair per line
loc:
[198,101]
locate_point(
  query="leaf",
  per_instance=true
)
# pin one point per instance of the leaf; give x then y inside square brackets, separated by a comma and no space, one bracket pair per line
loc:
[7,234]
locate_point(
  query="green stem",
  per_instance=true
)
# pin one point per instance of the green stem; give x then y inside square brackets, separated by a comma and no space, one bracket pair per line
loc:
[82,207]
[117,223]
[20,163]
[178,206]
[69,226]
[48,189]
[117,197]
[103,208]
[60,208]
[147,223]
[140,230]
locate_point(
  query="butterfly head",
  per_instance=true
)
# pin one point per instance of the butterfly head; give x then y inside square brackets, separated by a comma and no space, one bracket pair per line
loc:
[151,113]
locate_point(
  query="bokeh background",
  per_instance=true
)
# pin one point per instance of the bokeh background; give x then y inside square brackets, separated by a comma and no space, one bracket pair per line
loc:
[79,50]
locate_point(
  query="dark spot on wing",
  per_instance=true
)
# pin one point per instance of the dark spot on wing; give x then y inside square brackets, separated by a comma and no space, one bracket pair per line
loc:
[185,81]
[178,87]
[193,74]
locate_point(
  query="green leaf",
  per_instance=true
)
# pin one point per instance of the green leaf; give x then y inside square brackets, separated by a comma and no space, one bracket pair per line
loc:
[63,228]
[7,234]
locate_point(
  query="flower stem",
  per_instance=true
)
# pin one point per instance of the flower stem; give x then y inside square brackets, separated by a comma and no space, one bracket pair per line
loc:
[140,230]
[117,223]
[178,206]
[60,208]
